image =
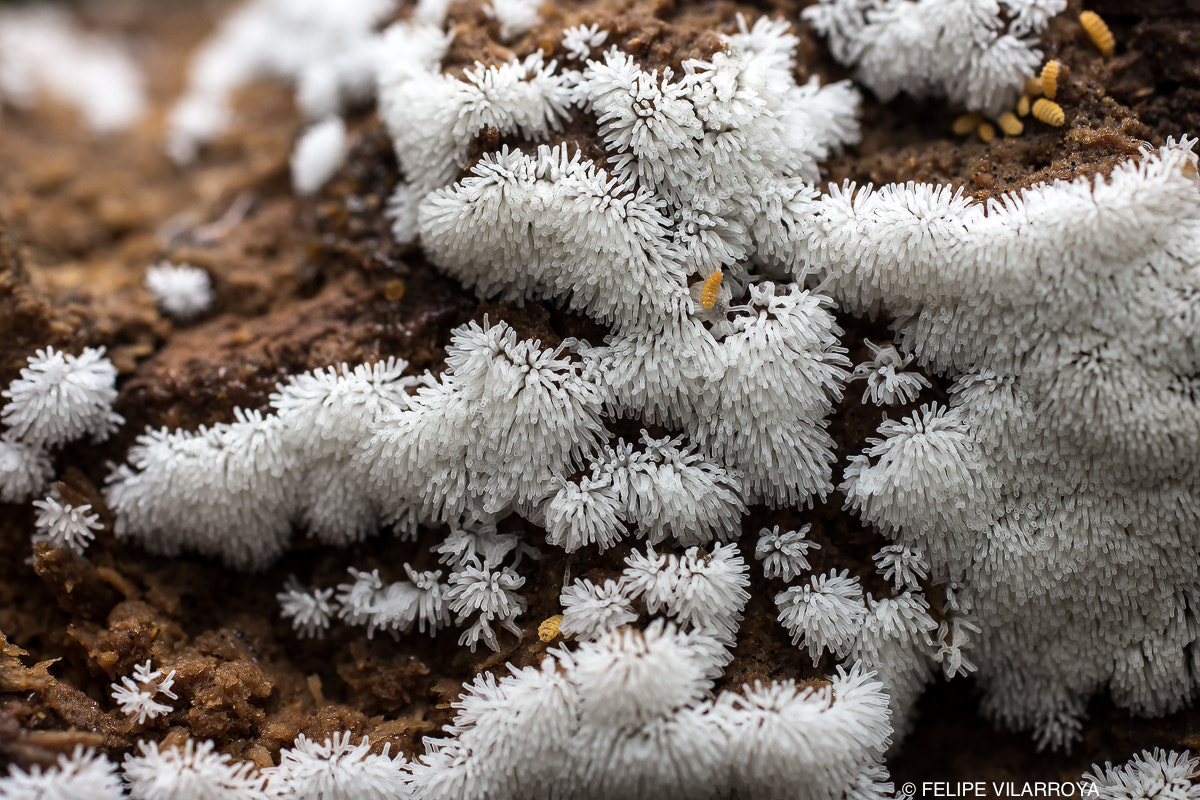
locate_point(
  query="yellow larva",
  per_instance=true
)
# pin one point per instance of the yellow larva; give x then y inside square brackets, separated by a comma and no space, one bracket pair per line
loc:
[1009,123]
[708,293]
[1050,79]
[1099,33]
[967,123]
[548,630]
[1048,112]
[1033,86]
[1023,106]
[986,131]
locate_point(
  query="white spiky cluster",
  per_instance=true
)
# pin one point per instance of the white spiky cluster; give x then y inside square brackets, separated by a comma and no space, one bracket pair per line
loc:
[194,772]
[756,401]
[1158,773]
[626,716]
[184,292]
[664,490]
[976,53]
[704,591]
[904,566]
[887,383]
[579,41]
[505,421]
[58,398]
[335,769]
[590,611]
[310,611]
[481,589]
[83,775]
[709,170]
[891,635]
[1059,487]
[64,525]
[326,49]
[135,695]
[784,554]
[729,150]
[42,49]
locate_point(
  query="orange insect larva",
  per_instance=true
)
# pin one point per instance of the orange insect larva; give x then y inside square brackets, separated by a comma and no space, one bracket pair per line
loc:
[986,131]
[708,293]
[1033,86]
[1098,32]
[967,123]
[1009,123]
[1023,106]
[1049,112]
[548,630]
[1049,79]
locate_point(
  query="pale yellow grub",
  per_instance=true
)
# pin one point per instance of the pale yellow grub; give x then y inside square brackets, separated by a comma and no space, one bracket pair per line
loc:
[548,630]
[1049,112]
[1098,32]
[1009,123]
[1023,106]
[712,285]
[1033,86]
[1050,79]
[986,131]
[967,123]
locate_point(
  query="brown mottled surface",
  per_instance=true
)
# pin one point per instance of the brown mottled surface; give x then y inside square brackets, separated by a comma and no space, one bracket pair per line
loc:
[302,284]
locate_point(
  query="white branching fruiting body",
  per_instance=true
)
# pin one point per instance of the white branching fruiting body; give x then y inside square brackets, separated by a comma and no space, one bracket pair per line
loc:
[1156,773]
[194,772]
[42,49]
[135,695]
[64,525]
[739,124]
[328,50]
[977,53]
[57,398]
[1059,488]
[182,291]
[590,611]
[886,383]
[347,448]
[60,397]
[755,402]
[505,420]
[784,553]
[326,416]
[309,611]
[24,469]
[319,152]
[825,614]
[627,716]
[664,491]
[83,775]
[784,371]
[337,770]
[903,566]
[225,491]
